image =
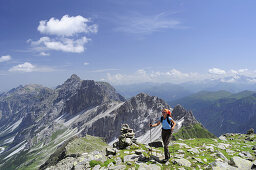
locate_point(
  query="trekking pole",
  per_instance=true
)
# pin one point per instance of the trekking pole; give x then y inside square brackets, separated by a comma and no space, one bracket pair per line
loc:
[150,136]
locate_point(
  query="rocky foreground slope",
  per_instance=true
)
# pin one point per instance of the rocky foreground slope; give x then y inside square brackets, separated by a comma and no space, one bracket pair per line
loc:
[230,151]
[35,120]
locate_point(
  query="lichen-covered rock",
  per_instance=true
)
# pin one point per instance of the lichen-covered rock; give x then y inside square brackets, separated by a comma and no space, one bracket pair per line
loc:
[222,156]
[194,151]
[182,162]
[144,166]
[240,163]
[220,165]
[223,138]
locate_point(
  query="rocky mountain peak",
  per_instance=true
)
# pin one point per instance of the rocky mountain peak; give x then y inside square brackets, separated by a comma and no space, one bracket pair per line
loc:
[89,93]
[73,79]
[68,88]
[180,112]
[74,76]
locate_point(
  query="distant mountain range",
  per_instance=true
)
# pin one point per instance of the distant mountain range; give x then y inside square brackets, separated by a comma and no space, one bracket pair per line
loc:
[222,111]
[173,91]
[166,91]
[35,120]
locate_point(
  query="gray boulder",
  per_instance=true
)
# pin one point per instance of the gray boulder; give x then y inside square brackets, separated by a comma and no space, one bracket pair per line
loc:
[119,167]
[144,166]
[240,163]
[219,165]
[131,158]
[223,138]
[182,162]
[194,151]
[222,156]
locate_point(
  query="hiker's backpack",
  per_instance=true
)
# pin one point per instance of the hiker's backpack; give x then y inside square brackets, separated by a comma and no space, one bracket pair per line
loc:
[168,120]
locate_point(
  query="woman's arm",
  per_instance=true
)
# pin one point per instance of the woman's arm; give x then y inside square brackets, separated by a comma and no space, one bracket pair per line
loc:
[174,124]
[156,124]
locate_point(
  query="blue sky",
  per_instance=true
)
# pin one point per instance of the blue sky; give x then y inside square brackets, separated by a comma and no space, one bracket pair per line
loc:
[122,42]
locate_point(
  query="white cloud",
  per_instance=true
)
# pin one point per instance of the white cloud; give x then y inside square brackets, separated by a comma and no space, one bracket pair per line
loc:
[174,76]
[67,26]
[230,80]
[85,63]
[5,58]
[138,24]
[28,67]
[233,71]
[217,71]
[177,74]
[25,67]
[242,70]
[44,54]
[61,44]
[104,70]
[67,34]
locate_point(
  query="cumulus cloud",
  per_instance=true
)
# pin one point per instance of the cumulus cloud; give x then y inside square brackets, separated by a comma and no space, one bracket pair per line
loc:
[217,71]
[28,67]
[67,26]
[5,58]
[25,67]
[68,34]
[63,44]
[86,63]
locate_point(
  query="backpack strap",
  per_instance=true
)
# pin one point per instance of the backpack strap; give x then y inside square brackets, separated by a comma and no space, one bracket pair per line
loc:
[168,120]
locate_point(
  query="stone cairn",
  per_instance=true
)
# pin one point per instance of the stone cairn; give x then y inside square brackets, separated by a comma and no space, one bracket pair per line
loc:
[126,139]
[250,131]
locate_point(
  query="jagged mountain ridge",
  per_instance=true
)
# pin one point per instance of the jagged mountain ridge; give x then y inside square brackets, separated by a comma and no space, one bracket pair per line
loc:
[77,107]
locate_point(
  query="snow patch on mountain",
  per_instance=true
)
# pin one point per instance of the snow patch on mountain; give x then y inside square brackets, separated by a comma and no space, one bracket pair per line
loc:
[2,149]
[9,140]
[12,127]
[16,124]
[20,148]
[70,121]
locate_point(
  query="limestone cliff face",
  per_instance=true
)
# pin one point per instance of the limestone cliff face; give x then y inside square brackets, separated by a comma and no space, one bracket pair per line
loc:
[137,112]
[33,116]
[91,94]
[180,112]
[30,112]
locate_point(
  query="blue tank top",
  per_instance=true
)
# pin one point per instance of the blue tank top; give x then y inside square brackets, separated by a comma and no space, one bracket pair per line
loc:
[165,124]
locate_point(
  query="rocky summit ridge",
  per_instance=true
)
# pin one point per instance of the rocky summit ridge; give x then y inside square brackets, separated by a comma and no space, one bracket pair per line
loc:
[229,152]
[36,120]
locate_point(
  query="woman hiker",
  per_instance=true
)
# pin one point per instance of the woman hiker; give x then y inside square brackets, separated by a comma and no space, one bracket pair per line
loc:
[168,125]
